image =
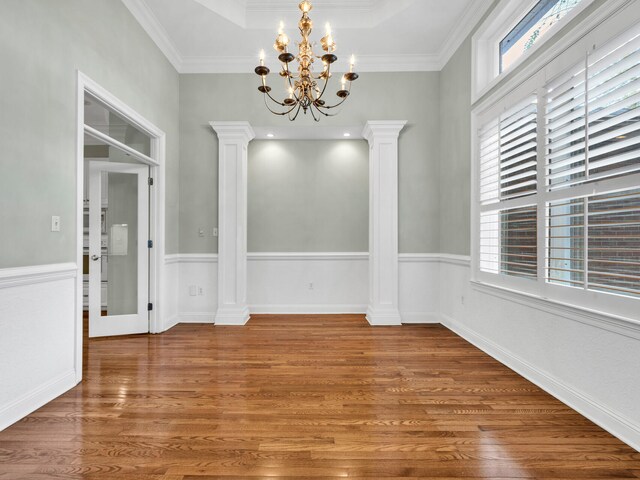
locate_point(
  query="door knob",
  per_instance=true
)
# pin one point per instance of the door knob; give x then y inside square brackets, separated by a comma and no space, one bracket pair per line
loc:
[95,258]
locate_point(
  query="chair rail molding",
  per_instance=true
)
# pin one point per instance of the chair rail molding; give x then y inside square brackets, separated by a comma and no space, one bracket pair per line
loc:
[383,221]
[234,138]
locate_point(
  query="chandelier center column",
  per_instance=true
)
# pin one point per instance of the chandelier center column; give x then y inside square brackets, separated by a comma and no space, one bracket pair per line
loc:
[383,221]
[233,140]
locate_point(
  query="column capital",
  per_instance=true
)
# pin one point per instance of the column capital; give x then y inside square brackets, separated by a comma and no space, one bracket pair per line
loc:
[234,131]
[383,128]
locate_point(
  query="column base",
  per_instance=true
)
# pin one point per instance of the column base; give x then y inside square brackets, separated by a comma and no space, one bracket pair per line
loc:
[232,317]
[383,318]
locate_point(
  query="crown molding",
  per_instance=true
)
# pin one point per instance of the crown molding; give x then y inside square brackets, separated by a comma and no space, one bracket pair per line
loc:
[462,30]
[366,63]
[150,23]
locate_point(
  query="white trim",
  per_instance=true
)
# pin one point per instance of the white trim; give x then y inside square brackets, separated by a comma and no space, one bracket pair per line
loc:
[462,29]
[419,257]
[27,404]
[615,423]
[302,256]
[198,317]
[307,309]
[98,135]
[191,258]
[15,277]
[418,318]
[150,23]
[502,85]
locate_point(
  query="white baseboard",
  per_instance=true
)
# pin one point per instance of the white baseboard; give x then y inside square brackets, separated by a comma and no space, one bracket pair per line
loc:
[613,422]
[196,317]
[35,399]
[171,322]
[420,318]
[308,309]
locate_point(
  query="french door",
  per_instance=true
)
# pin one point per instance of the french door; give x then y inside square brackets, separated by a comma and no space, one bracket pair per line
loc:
[118,249]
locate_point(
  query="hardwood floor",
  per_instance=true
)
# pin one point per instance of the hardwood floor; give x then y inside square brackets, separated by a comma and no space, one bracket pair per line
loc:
[305,397]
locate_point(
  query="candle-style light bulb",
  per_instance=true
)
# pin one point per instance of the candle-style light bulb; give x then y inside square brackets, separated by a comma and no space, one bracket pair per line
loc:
[281,28]
[328,29]
[353,62]
[344,82]
[262,58]
[291,93]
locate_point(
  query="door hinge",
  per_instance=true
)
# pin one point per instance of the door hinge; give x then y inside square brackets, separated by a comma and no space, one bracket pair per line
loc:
[149,243]
[149,307]
[150,181]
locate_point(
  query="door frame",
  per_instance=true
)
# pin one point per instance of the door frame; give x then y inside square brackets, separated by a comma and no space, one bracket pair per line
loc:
[156,160]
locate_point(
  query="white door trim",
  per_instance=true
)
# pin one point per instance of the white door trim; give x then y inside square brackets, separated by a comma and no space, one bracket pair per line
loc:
[157,204]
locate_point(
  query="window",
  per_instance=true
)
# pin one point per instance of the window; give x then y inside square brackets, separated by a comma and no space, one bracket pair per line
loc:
[559,179]
[536,24]
[514,29]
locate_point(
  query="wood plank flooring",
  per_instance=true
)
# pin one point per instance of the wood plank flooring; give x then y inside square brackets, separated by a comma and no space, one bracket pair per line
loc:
[305,397]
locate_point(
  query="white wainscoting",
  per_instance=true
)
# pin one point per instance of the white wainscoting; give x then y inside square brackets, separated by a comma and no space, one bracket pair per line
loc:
[587,360]
[38,337]
[280,283]
[308,283]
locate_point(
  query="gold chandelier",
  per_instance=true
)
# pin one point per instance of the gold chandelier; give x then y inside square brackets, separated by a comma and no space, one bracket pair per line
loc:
[306,90]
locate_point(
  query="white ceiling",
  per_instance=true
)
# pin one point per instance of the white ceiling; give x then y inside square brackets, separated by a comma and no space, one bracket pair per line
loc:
[225,36]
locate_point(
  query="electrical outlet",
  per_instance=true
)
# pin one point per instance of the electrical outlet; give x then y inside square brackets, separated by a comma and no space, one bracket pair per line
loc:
[310,285]
[55,223]
[215,231]
[201,232]
[200,292]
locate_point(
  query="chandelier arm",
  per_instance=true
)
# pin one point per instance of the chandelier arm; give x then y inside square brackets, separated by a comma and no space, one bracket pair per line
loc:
[282,114]
[325,113]
[267,94]
[329,107]
[317,119]
[297,112]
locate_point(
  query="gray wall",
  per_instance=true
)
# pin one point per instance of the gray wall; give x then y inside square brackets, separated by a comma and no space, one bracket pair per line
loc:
[375,96]
[455,152]
[42,44]
[308,196]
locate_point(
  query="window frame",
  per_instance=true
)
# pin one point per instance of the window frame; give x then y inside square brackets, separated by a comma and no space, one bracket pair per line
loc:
[485,42]
[492,107]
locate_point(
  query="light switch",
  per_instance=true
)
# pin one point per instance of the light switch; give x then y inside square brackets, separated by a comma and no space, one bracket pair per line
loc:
[201,232]
[55,224]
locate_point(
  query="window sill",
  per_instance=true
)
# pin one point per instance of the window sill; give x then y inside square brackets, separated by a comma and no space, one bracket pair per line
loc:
[613,323]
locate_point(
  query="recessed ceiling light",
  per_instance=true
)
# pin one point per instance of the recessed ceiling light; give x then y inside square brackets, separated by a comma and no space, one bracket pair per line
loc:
[270,135]
[347,134]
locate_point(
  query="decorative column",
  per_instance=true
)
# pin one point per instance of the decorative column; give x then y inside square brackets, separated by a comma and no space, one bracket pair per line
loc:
[233,139]
[383,221]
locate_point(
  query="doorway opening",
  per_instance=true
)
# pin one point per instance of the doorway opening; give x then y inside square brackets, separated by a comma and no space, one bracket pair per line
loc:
[120,225]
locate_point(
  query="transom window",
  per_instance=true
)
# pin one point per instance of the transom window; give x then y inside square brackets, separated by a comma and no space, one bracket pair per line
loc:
[544,15]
